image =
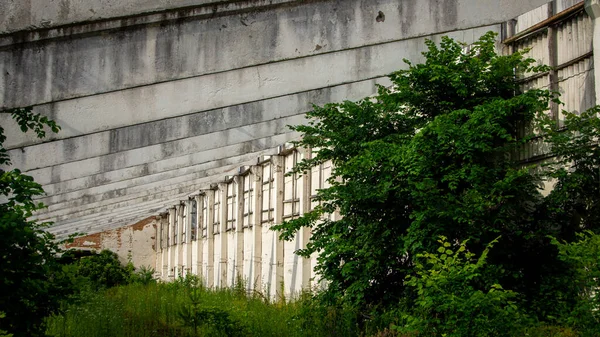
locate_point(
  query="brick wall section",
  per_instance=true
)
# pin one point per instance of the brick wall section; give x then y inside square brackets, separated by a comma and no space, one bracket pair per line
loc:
[135,243]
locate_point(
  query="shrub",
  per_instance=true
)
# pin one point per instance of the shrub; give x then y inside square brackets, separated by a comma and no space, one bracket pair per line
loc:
[583,256]
[452,298]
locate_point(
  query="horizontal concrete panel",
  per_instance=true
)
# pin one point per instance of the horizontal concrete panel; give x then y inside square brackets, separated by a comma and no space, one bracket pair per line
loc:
[31,14]
[62,232]
[68,68]
[98,63]
[168,150]
[159,200]
[128,203]
[176,98]
[193,161]
[181,147]
[86,200]
[177,128]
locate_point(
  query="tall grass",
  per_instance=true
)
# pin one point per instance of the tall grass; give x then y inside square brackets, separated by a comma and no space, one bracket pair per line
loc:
[159,309]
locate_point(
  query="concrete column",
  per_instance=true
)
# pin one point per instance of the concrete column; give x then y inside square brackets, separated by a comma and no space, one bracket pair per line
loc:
[172,248]
[158,246]
[278,168]
[164,255]
[306,231]
[257,226]
[199,239]
[223,235]
[180,241]
[592,8]
[210,239]
[188,234]
[239,228]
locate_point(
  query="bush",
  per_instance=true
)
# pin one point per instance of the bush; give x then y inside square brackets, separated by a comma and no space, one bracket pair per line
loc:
[453,298]
[583,256]
[104,270]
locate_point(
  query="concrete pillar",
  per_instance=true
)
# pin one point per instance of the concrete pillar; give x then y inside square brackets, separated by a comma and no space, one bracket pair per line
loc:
[180,240]
[223,235]
[257,226]
[188,235]
[210,239]
[164,255]
[278,165]
[306,231]
[199,239]
[158,247]
[239,228]
[172,247]
[592,8]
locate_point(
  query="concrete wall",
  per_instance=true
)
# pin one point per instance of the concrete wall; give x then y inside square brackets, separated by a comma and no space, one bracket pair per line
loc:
[36,14]
[134,243]
[157,98]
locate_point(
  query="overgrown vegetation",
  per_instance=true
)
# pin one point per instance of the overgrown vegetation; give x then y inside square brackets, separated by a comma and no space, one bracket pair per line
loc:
[434,156]
[186,308]
[31,285]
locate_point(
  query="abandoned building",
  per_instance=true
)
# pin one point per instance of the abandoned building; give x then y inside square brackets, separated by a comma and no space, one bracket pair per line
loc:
[174,145]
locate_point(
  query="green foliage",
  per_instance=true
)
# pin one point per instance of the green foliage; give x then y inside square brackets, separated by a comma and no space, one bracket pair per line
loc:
[30,277]
[104,270]
[144,275]
[574,202]
[214,319]
[436,154]
[583,256]
[429,156]
[3,333]
[313,315]
[185,309]
[453,297]
[549,331]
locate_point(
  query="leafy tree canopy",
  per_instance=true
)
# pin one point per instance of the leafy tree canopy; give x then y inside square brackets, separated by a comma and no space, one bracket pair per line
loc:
[435,155]
[30,286]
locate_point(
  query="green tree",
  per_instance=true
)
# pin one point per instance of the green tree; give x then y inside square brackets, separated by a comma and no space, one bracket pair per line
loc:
[434,155]
[29,273]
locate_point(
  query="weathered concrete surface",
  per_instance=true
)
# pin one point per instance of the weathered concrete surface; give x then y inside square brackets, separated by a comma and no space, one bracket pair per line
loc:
[31,14]
[28,14]
[158,99]
[139,238]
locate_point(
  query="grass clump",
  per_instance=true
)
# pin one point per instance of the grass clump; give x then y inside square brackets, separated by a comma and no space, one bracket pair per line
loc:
[187,308]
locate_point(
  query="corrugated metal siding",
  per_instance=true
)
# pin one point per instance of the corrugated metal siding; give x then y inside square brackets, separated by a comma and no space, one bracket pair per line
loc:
[574,38]
[531,18]
[538,48]
[540,14]
[570,51]
[576,85]
[561,5]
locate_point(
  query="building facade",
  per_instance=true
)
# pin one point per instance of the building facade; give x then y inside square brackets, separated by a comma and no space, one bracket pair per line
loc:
[166,106]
